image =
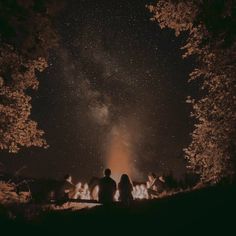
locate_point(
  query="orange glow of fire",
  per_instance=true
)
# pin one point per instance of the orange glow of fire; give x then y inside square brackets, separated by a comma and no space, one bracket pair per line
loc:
[119,153]
[82,192]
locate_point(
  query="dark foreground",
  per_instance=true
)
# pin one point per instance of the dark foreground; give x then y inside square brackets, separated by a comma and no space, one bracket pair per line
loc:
[211,211]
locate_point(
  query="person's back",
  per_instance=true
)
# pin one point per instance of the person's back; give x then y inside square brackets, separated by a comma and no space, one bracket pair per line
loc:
[125,189]
[160,184]
[107,188]
[65,189]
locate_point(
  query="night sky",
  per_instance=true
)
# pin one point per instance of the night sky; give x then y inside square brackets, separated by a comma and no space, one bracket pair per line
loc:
[113,96]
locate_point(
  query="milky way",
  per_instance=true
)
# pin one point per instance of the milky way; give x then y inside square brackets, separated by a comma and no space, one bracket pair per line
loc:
[113,96]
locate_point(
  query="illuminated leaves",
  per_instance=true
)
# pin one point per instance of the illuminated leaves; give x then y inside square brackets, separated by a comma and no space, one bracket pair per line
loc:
[22,55]
[212,150]
[167,15]
[16,127]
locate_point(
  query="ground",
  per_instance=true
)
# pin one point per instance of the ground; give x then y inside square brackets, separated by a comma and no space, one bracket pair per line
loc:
[210,210]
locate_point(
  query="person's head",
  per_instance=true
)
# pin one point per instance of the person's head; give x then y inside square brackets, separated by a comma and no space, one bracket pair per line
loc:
[68,177]
[152,176]
[107,172]
[124,179]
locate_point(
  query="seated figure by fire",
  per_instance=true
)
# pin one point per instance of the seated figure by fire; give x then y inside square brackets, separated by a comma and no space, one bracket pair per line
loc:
[106,188]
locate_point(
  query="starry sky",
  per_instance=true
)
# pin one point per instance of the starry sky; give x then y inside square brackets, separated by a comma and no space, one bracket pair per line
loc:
[113,96]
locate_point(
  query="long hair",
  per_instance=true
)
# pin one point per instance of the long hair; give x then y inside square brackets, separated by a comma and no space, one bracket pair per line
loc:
[125,181]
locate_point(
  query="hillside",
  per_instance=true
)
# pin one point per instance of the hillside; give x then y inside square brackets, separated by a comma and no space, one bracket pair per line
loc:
[207,210]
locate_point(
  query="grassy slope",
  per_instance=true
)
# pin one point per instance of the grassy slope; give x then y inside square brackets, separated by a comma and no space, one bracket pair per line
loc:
[209,210]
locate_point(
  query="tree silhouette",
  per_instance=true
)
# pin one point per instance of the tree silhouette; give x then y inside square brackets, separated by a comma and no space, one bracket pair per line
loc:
[26,35]
[210,26]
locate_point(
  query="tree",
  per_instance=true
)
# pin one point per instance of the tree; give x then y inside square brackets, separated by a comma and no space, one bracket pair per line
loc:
[210,26]
[26,35]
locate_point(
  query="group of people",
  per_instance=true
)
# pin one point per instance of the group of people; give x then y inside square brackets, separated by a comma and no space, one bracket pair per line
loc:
[107,188]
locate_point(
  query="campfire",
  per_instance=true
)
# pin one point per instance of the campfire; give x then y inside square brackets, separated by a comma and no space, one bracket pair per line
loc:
[83,192]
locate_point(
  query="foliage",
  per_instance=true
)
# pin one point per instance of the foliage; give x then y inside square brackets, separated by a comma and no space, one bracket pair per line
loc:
[26,36]
[8,194]
[210,25]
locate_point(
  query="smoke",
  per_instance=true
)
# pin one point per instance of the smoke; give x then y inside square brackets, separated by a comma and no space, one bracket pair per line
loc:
[120,155]
[98,111]
[78,83]
[90,80]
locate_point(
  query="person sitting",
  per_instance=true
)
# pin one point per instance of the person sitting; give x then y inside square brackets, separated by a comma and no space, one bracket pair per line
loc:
[78,191]
[94,188]
[107,188]
[154,185]
[161,184]
[66,190]
[125,189]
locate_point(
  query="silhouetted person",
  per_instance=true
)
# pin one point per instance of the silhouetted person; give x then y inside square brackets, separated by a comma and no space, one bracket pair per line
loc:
[93,187]
[155,185]
[125,189]
[107,188]
[161,184]
[66,190]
